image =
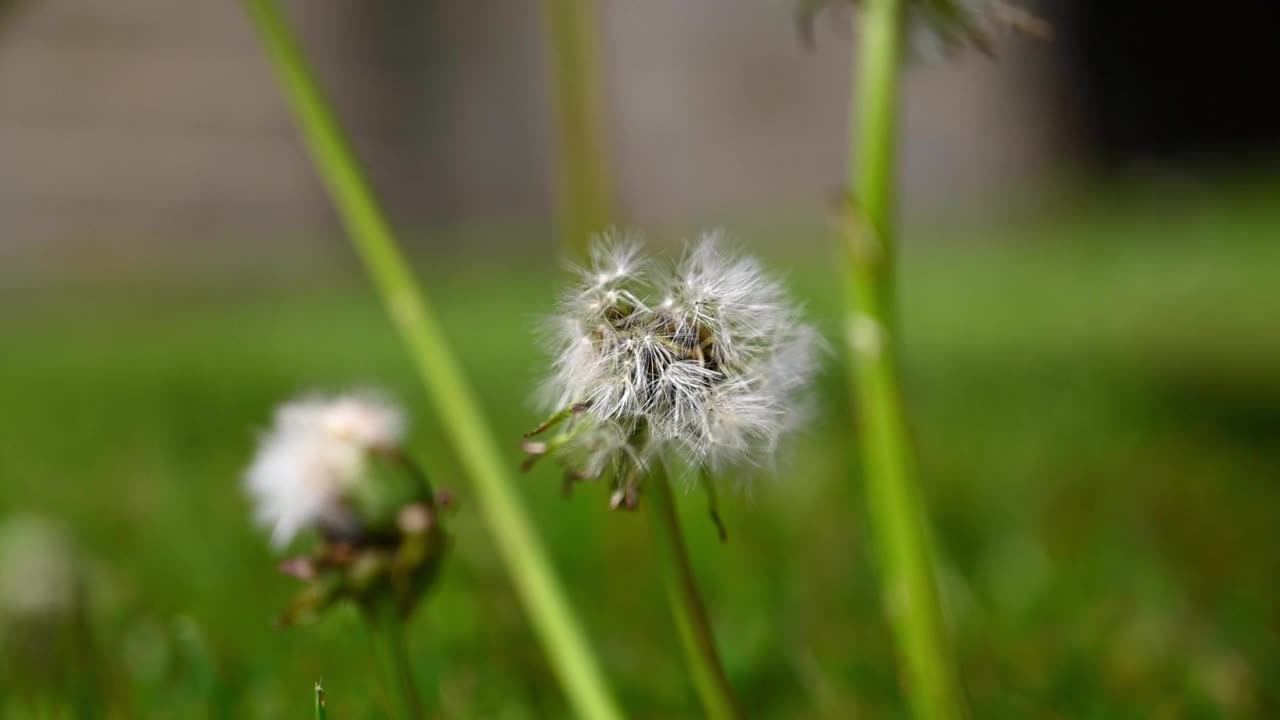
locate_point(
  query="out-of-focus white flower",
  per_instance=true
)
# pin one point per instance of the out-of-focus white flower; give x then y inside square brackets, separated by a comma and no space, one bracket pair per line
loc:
[707,358]
[314,456]
[38,569]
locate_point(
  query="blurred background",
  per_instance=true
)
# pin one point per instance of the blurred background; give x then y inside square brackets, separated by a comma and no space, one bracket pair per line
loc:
[1091,303]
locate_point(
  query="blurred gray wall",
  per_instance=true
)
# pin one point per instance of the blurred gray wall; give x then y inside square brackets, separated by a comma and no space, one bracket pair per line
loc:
[143,122]
[717,106]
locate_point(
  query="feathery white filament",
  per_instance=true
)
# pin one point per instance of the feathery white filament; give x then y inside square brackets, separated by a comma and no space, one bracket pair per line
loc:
[313,455]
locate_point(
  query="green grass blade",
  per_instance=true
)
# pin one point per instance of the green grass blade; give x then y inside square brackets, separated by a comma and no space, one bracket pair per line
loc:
[519,546]
[321,711]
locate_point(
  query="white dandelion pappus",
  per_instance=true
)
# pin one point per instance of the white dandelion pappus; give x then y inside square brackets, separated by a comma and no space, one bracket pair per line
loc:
[729,299]
[755,339]
[712,370]
[313,456]
[595,330]
[39,570]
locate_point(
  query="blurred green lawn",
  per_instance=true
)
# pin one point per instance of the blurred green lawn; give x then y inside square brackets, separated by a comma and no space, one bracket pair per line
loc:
[1096,399]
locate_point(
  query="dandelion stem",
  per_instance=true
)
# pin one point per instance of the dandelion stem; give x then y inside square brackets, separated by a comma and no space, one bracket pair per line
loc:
[518,545]
[894,499]
[393,659]
[686,605]
[586,202]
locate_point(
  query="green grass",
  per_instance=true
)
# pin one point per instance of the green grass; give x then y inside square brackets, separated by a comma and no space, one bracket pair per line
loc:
[1096,401]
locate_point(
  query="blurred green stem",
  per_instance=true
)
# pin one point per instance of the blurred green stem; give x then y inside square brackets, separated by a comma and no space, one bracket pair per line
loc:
[518,545]
[895,503]
[86,685]
[321,711]
[686,605]
[393,660]
[585,192]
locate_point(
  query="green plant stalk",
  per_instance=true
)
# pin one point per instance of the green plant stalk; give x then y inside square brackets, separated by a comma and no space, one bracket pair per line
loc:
[321,711]
[518,545]
[86,689]
[393,659]
[895,503]
[686,605]
[585,191]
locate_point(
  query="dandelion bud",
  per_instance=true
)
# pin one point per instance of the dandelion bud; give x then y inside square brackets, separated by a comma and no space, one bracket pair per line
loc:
[336,465]
[706,361]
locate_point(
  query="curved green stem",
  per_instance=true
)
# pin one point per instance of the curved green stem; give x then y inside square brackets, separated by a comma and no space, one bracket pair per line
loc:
[894,501]
[686,605]
[517,543]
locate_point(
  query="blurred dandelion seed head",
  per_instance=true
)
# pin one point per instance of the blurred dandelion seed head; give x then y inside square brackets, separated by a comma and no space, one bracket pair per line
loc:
[314,454]
[706,358]
[39,572]
[337,464]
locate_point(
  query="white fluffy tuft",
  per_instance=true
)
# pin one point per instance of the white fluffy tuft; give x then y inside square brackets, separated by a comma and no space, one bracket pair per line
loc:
[707,359]
[313,455]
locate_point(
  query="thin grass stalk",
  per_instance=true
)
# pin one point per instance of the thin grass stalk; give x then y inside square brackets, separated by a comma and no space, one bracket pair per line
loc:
[321,710]
[895,503]
[686,604]
[393,659]
[585,191]
[518,545]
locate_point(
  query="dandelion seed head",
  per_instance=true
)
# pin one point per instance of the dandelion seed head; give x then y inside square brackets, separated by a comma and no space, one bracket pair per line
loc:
[314,454]
[38,569]
[713,371]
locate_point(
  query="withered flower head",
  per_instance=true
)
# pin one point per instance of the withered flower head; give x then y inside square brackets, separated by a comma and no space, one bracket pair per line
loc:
[705,360]
[336,465]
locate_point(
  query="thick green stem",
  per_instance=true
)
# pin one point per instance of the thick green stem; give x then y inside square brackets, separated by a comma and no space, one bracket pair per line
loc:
[519,546]
[686,605]
[393,660]
[873,118]
[585,193]
[895,503]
